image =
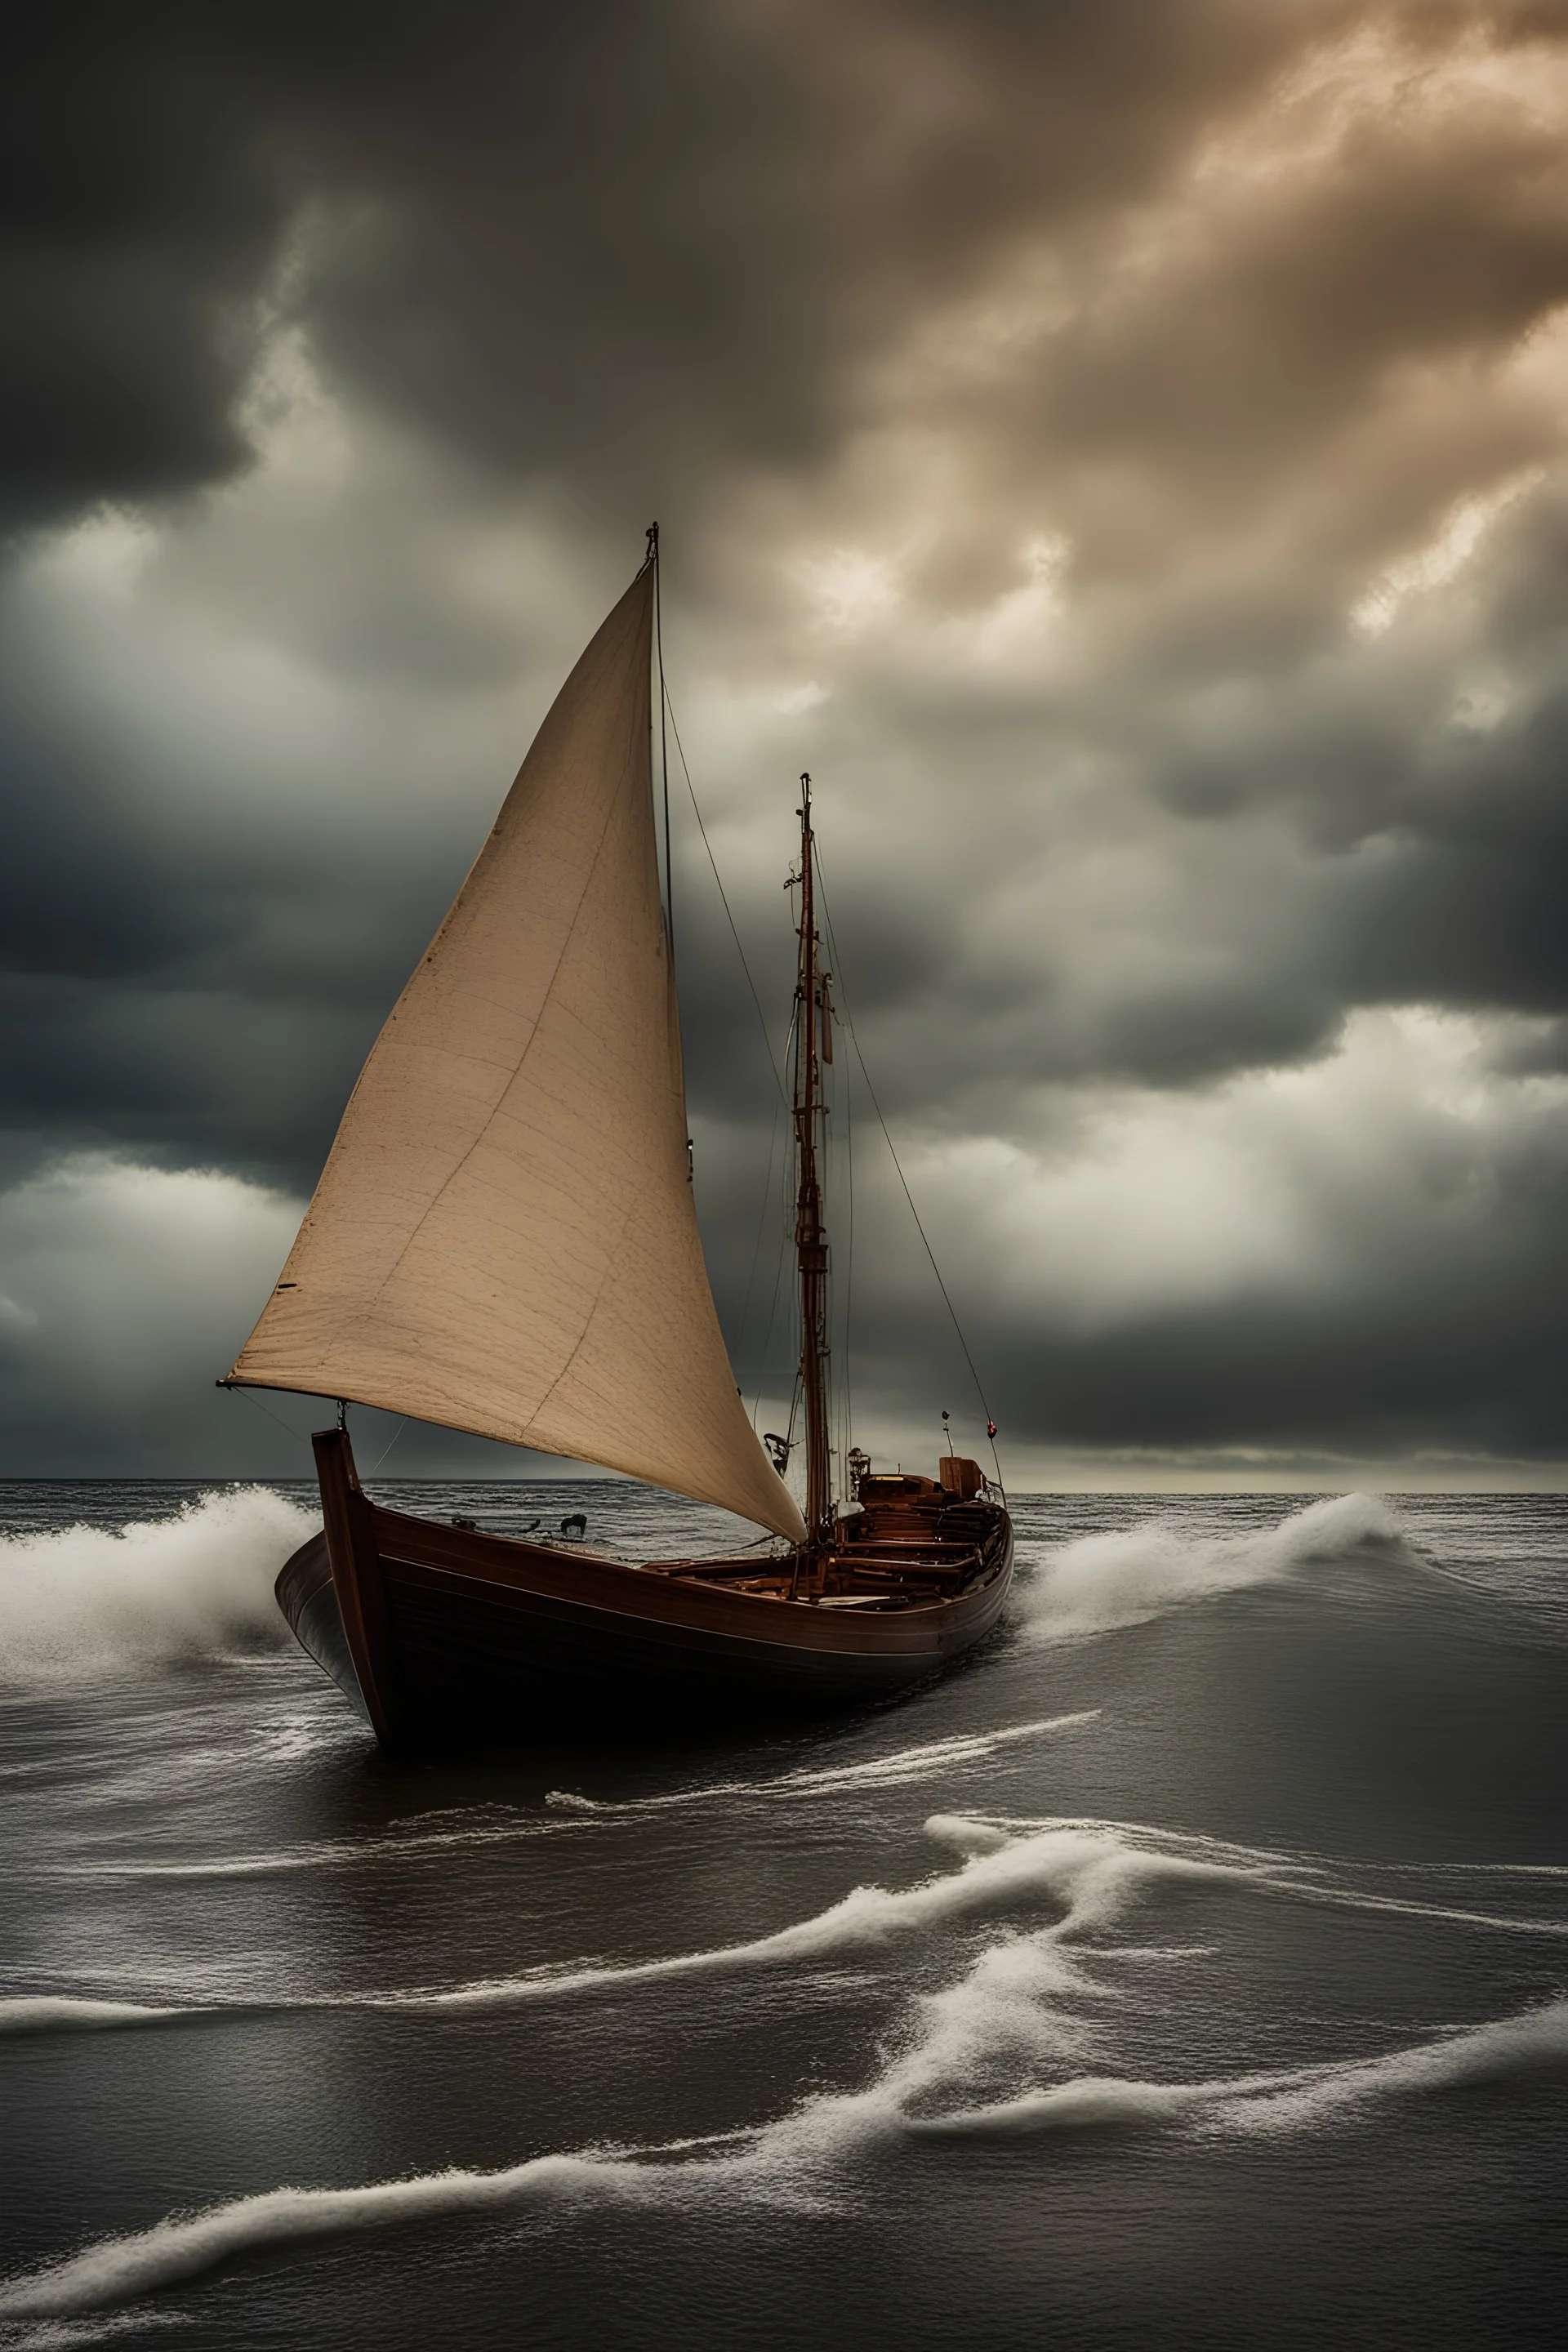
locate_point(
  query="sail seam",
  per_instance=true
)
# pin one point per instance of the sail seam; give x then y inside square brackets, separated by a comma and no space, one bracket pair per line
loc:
[507,1241]
[369,1311]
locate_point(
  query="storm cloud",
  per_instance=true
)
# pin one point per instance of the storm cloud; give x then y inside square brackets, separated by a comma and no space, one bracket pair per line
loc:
[1118,450]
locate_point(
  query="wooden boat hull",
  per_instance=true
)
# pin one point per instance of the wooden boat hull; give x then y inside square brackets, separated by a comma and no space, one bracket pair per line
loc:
[443,1632]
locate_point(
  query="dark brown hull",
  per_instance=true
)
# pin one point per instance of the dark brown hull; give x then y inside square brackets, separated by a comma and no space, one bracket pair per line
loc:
[441,1633]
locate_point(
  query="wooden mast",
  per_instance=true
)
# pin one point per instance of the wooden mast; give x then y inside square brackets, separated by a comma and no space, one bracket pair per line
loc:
[810,1235]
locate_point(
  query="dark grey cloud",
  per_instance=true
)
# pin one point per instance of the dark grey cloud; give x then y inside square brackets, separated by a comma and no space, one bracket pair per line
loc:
[1119,451]
[138,217]
[570,237]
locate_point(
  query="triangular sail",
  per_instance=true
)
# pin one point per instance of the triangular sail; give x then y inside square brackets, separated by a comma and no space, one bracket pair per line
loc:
[504,1239]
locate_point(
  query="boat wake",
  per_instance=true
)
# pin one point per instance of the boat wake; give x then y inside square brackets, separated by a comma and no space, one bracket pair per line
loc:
[474,1827]
[82,1602]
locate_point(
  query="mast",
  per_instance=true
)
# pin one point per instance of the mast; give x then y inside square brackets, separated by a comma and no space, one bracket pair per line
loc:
[810,1235]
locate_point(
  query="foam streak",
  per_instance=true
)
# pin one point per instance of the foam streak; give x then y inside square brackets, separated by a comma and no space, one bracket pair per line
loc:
[903,1766]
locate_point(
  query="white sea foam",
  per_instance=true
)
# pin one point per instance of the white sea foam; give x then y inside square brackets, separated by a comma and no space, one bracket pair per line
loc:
[75,2335]
[897,1768]
[1303,1877]
[1099,1582]
[1088,1873]
[118,2268]
[1293,2099]
[61,2013]
[83,1600]
[1027,2000]
[1031,1999]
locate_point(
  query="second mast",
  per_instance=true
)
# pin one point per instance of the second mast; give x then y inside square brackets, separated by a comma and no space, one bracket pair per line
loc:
[810,1234]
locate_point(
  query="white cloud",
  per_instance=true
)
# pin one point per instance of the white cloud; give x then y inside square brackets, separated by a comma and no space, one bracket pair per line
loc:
[1277,1185]
[137,1288]
[1445,557]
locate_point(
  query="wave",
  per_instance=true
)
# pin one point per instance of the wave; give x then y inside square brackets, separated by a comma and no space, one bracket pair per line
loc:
[1099,1582]
[1091,1870]
[488,1825]
[1011,2001]
[323,1854]
[896,1769]
[1030,2002]
[65,2013]
[71,2335]
[1304,1877]
[171,2251]
[1089,1874]
[82,1602]
[1534,2042]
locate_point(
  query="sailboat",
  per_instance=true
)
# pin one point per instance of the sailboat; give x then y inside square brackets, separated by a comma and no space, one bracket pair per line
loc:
[504,1241]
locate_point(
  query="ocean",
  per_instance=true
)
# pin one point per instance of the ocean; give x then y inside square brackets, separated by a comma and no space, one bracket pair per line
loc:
[1188,1969]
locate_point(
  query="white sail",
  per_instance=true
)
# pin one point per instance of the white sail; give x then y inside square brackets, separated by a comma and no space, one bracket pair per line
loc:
[504,1239]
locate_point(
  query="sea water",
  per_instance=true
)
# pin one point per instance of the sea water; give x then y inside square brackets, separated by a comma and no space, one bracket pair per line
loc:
[1188,1969]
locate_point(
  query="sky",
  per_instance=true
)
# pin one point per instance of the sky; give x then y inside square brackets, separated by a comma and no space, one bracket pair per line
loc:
[1119,449]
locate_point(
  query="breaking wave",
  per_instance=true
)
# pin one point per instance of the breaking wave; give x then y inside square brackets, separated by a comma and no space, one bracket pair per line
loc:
[791,2161]
[1291,2099]
[81,1601]
[1088,1872]
[1102,1582]
[171,2251]
[1031,2005]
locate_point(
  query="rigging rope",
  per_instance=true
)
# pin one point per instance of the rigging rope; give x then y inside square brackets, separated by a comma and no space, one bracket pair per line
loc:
[734,934]
[667,707]
[388,1447]
[235,1388]
[870,1089]
[663,746]
[668,710]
